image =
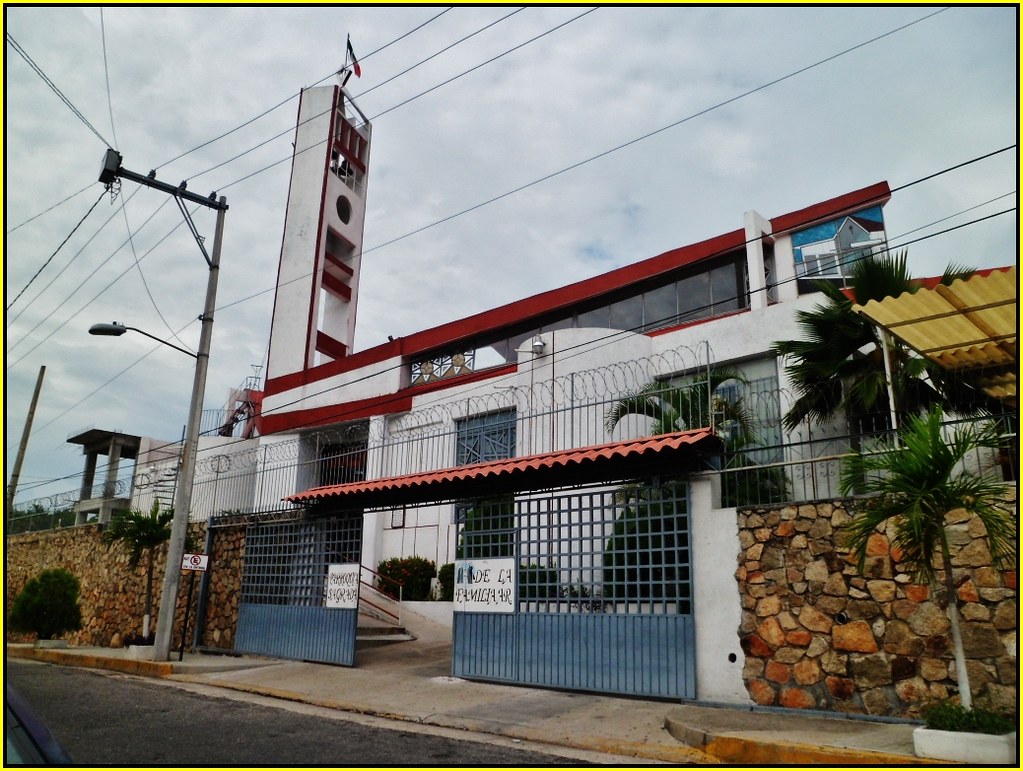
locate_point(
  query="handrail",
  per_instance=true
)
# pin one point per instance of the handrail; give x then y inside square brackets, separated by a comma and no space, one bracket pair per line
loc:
[384,611]
[399,584]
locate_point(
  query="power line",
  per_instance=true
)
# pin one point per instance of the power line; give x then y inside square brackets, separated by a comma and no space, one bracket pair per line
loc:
[231,131]
[290,129]
[515,48]
[145,284]
[585,161]
[47,211]
[28,59]
[97,295]
[50,258]
[485,63]
[74,257]
[106,74]
[650,134]
[293,96]
[587,346]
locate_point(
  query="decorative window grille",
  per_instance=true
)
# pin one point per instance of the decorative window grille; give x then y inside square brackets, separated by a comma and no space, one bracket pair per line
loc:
[486,437]
[443,366]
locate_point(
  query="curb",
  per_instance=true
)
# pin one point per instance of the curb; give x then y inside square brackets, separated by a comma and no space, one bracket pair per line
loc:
[742,749]
[128,666]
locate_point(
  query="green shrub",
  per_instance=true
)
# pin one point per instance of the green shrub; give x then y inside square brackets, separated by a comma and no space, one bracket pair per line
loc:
[948,716]
[537,582]
[48,605]
[446,576]
[412,573]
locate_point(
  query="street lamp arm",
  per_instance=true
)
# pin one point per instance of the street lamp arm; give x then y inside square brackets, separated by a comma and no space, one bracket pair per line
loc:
[157,339]
[116,330]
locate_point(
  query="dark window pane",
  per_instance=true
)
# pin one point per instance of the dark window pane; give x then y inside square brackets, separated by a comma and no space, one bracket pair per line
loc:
[724,289]
[627,314]
[660,306]
[694,297]
[599,317]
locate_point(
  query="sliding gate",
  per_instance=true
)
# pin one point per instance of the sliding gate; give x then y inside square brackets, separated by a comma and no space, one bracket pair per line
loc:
[603,596]
[297,588]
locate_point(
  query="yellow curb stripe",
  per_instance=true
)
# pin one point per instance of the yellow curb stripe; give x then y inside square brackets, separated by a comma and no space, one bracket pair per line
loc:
[736,749]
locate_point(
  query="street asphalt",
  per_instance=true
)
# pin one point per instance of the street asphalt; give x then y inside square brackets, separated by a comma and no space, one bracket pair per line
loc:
[410,681]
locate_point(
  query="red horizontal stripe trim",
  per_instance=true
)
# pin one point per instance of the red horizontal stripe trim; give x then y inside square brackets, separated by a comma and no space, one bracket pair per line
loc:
[276,422]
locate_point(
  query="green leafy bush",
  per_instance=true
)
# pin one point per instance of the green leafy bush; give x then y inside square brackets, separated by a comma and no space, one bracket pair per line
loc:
[48,605]
[412,573]
[446,576]
[948,716]
[537,582]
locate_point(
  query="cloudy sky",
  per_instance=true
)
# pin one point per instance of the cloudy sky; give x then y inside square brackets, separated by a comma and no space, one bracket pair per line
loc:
[714,111]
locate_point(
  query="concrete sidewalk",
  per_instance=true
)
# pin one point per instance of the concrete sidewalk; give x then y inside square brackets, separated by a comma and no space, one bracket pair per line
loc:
[410,681]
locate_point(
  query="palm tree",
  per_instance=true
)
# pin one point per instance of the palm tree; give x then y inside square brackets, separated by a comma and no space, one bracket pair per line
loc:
[681,406]
[141,533]
[688,405]
[915,485]
[837,365]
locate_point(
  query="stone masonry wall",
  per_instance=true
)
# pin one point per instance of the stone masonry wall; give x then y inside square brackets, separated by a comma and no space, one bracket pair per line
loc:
[112,595]
[818,634]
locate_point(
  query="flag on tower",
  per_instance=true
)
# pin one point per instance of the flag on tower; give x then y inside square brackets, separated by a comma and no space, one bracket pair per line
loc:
[355,62]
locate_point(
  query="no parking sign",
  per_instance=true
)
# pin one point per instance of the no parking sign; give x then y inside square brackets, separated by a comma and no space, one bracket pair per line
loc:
[195,562]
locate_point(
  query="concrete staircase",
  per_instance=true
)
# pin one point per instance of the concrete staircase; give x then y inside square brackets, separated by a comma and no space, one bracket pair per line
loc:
[379,620]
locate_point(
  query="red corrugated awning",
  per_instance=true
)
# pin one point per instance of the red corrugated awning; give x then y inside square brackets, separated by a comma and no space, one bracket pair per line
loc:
[618,461]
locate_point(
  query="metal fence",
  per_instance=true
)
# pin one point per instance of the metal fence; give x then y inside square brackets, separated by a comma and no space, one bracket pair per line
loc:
[809,468]
[604,592]
[762,463]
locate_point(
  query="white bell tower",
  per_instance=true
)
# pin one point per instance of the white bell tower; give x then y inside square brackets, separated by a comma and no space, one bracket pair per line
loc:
[321,253]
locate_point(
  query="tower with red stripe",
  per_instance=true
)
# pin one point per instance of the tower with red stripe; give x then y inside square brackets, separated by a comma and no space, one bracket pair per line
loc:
[321,252]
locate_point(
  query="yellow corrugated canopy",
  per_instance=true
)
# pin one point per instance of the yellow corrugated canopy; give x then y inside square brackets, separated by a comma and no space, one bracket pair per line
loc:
[968,325]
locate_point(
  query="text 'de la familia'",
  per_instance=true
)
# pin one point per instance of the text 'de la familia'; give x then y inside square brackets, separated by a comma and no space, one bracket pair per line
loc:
[485,586]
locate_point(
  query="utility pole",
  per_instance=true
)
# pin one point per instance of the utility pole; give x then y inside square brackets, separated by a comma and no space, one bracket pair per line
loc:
[111,171]
[12,487]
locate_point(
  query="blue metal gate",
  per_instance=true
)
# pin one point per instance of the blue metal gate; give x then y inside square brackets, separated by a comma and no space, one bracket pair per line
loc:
[604,596]
[282,609]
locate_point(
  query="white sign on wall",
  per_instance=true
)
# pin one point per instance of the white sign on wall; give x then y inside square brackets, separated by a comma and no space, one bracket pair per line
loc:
[195,562]
[485,586]
[341,587]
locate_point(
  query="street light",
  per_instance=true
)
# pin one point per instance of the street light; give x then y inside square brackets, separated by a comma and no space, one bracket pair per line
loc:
[111,172]
[116,330]
[182,490]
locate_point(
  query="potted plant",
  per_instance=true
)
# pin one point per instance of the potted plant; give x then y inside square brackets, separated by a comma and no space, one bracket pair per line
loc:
[48,606]
[990,736]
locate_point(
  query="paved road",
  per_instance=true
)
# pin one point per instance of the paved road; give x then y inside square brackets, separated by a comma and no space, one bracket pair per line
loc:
[111,719]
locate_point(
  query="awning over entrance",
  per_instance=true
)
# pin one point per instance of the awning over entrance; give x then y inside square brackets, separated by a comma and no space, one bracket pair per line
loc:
[969,325]
[656,455]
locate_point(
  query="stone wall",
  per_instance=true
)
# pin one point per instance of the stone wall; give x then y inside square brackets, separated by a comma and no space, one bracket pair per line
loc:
[112,596]
[819,634]
[225,586]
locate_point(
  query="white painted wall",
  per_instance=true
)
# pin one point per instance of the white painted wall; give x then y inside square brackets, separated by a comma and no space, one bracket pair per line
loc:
[714,548]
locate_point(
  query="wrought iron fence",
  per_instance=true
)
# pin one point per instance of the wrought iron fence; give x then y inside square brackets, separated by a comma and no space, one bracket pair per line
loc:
[762,463]
[809,467]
